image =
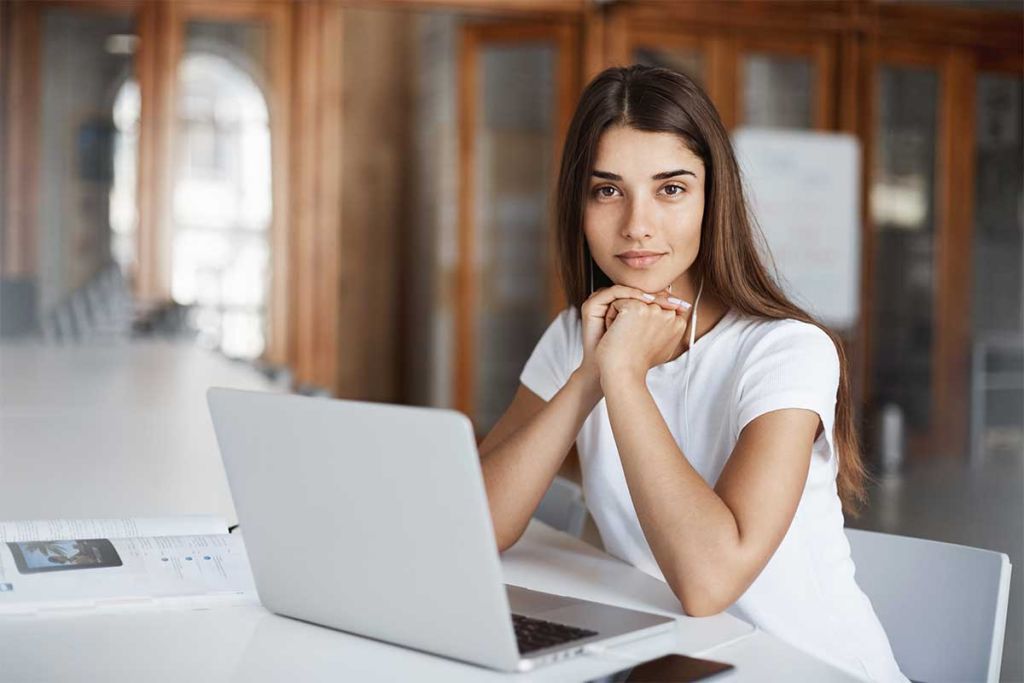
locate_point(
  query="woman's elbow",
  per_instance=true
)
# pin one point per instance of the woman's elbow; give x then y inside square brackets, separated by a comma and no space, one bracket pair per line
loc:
[702,601]
[506,536]
[505,543]
[697,608]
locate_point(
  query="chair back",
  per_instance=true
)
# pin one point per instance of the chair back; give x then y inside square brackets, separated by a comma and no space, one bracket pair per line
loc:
[942,605]
[562,507]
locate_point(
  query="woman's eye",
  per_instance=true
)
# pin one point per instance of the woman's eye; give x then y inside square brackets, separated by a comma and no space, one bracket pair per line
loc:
[677,190]
[600,191]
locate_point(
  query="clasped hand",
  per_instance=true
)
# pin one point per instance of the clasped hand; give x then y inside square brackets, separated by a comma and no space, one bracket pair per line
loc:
[626,332]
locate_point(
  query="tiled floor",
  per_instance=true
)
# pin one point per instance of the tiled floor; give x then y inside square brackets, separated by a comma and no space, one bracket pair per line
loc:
[947,500]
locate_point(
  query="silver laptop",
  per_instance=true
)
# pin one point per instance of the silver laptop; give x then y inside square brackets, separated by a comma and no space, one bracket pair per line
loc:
[372,519]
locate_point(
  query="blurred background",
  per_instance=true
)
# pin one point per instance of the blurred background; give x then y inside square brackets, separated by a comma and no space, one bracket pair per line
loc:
[354,197]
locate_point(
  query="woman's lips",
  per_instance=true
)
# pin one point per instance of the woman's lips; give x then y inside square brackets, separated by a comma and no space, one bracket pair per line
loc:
[641,262]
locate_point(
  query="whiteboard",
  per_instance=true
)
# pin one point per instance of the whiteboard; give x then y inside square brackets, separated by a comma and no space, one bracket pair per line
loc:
[804,191]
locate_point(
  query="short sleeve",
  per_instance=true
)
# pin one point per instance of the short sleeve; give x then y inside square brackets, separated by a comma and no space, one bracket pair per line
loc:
[794,365]
[557,354]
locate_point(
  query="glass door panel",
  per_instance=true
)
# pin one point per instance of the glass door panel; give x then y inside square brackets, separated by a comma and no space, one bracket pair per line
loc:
[514,147]
[87,159]
[685,61]
[777,91]
[902,198]
[997,326]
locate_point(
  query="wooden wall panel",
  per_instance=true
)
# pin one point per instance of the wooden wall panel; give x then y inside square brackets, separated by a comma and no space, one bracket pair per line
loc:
[595,49]
[377,192]
[465,356]
[5,71]
[850,74]
[327,148]
[277,350]
[21,132]
[304,187]
[156,66]
[951,357]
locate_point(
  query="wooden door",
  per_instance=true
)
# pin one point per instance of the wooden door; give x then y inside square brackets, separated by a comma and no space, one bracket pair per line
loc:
[67,65]
[922,107]
[518,82]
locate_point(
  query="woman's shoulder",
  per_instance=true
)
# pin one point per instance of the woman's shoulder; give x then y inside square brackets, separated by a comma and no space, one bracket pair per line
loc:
[568,315]
[567,322]
[761,337]
[564,331]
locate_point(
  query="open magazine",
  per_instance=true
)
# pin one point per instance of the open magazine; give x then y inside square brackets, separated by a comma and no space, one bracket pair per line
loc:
[70,564]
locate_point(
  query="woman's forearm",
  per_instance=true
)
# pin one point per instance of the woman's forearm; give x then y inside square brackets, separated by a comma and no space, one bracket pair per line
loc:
[518,471]
[691,531]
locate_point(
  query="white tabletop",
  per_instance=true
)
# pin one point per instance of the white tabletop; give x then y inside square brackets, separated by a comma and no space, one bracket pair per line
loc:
[250,644]
[124,431]
[111,431]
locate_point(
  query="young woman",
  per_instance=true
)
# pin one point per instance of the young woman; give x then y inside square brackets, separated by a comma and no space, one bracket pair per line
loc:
[712,416]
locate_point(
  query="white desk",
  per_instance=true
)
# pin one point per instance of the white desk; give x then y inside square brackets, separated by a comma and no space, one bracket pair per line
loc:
[111,431]
[250,644]
[125,431]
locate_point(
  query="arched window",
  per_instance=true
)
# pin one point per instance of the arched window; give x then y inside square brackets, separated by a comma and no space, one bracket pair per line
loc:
[221,202]
[124,217]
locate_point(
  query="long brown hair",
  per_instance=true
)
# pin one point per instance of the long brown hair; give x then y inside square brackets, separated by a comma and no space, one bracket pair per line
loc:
[662,101]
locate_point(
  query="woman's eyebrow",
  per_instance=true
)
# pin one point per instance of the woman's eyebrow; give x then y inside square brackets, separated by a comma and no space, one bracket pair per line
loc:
[671,174]
[657,176]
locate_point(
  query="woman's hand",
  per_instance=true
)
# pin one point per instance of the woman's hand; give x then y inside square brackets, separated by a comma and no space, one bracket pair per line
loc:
[663,298]
[596,309]
[639,336]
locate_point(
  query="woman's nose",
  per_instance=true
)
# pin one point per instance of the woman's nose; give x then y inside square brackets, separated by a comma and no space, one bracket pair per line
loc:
[637,225]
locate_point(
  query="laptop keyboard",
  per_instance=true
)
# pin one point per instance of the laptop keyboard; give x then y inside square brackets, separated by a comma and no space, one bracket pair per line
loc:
[537,634]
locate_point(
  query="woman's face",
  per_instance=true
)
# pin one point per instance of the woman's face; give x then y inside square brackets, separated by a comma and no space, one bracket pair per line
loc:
[644,208]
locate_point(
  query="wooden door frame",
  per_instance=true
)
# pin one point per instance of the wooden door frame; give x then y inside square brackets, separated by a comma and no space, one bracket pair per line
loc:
[566,38]
[21,123]
[21,139]
[315,289]
[160,26]
[22,179]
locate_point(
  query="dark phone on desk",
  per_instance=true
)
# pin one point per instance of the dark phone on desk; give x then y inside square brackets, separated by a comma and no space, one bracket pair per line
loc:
[670,669]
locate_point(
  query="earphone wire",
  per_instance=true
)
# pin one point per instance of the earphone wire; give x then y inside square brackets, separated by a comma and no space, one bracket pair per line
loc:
[686,369]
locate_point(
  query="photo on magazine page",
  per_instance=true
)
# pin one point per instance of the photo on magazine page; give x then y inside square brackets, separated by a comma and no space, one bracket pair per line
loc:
[32,557]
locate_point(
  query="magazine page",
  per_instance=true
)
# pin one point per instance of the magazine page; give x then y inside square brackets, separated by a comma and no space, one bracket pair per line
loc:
[127,527]
[100,572]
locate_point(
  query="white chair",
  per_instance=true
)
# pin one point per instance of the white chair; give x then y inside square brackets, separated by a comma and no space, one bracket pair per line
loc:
[562,507]
[942,605]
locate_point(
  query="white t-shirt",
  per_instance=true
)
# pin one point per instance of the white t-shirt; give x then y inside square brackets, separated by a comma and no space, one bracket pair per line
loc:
[742,368]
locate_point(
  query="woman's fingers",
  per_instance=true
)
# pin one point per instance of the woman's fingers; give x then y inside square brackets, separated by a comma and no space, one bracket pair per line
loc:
[595,308]
[603,297]
[599,304]
[607,302]
[613,311]
[669,302]
[662,299]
